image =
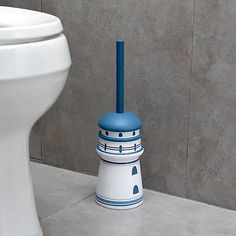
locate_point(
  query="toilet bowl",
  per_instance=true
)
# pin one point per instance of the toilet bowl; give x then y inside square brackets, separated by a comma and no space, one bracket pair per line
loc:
[34,64]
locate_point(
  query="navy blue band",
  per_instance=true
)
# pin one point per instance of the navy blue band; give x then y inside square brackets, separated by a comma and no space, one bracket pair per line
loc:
[119,163]
[118,203]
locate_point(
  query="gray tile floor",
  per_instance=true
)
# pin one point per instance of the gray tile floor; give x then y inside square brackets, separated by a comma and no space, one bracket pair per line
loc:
[66,207]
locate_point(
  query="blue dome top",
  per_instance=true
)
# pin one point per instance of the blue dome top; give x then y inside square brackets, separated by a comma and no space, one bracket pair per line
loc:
[120,122]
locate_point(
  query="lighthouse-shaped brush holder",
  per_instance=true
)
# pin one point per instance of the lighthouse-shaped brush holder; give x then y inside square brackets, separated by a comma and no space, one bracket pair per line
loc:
[119,183]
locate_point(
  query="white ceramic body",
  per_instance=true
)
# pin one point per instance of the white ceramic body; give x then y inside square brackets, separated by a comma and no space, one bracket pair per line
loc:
[119,156]
[32,75]
[116,183]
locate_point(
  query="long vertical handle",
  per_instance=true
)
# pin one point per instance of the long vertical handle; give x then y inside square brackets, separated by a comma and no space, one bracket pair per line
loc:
[120,76]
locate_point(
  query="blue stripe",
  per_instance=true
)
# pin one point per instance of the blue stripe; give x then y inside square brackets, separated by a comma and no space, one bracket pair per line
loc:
[119,163]
[119,139]
[120,154]
[118,203]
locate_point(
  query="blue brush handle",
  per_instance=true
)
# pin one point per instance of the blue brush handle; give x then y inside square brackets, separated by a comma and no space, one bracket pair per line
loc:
[120,76]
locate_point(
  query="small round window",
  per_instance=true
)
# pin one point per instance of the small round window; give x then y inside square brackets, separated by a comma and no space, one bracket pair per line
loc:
[107,133]
[120,135]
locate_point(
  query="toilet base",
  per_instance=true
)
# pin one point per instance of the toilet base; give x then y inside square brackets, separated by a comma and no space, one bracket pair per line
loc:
[18,214]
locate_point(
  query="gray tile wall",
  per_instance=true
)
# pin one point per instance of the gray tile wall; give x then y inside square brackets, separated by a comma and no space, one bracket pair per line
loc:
[158,38]
[27,4]
[180,69]
[212,139]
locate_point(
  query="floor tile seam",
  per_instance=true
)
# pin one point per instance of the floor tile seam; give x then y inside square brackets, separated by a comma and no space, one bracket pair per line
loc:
[73,204]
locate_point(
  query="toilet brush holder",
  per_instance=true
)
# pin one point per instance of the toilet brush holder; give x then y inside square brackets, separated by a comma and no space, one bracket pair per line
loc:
[119,184]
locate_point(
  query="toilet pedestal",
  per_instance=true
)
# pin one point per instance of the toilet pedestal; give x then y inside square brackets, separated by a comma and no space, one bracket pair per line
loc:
[17,205]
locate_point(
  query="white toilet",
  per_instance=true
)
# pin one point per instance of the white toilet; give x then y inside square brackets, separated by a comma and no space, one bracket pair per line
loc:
[34,64]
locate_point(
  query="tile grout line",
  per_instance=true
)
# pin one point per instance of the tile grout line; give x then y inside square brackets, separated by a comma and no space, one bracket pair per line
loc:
[68,206]
[190,98]
[41,5]
[41,144]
